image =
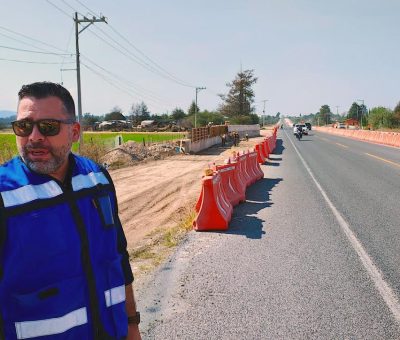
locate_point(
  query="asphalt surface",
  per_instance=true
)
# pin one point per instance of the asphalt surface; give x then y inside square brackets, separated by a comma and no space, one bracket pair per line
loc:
[296,261]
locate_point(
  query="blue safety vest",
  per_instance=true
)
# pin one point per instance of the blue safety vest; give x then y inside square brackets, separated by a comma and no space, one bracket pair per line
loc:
[60,270]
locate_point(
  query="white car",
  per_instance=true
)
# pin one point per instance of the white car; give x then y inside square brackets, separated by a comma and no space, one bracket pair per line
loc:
[303,127]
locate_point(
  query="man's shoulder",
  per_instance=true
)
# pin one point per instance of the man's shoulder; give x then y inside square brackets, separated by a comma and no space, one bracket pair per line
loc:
[87,164]
[10,167]
[84,165]
[11,173]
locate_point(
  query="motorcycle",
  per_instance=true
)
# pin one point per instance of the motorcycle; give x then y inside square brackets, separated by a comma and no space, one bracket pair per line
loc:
[298,134]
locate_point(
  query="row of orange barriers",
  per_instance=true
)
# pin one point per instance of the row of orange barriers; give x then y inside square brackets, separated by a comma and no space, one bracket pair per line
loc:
[224,186]
[387,138]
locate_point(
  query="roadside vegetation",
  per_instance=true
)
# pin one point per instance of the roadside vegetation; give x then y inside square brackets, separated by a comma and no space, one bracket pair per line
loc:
[96,144]
[162,242]
[375,118]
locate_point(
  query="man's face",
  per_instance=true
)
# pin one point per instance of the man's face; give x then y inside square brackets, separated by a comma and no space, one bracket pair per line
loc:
[46,154]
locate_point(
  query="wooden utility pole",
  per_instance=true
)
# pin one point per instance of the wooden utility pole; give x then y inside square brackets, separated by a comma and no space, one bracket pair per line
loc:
[78,68]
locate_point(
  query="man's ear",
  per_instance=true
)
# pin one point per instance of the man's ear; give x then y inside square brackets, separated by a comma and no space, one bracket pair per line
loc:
[76,128]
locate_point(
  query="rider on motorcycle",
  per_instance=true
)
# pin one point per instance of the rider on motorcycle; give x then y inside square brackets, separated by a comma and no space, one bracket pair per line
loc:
[299,131]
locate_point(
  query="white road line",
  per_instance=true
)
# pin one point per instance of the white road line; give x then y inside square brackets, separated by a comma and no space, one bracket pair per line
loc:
[382,286]
[342,145]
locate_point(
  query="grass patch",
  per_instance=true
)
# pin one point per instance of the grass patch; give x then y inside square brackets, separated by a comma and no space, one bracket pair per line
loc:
[95,144]
[151,255]
[8,148]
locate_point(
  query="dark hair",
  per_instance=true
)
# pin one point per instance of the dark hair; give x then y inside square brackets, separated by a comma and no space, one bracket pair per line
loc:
[40,90]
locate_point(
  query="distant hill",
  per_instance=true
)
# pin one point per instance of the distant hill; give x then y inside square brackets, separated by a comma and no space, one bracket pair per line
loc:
[6,113]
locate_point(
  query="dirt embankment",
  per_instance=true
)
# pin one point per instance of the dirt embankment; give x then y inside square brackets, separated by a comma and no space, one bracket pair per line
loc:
[153,194]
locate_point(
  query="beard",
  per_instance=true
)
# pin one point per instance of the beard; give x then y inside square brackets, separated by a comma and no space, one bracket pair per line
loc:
[58,156]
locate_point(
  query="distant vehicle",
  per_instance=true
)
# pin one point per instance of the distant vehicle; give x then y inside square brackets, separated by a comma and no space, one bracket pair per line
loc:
[303,128]
[341,125]
[308,126]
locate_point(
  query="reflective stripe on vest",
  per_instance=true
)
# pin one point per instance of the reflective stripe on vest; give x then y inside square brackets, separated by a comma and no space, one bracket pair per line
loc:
[30,193]
[115,295]
[88,181]
[32,329]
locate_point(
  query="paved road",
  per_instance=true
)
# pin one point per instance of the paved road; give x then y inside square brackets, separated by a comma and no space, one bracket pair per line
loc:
[314,253]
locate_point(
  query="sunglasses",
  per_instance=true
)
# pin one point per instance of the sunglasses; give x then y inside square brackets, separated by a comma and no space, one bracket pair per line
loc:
[47,127]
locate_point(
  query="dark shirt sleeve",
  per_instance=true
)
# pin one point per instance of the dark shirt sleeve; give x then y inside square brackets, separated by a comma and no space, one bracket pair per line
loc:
[121,239]
[122,244]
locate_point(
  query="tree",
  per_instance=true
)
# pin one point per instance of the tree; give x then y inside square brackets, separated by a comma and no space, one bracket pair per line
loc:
[139,112]
[178,114]
[324,115]
[238,102]
[354,111]
[193,108]
[381,117]
[205,117]
[396,115]
[89,119]
[115,114]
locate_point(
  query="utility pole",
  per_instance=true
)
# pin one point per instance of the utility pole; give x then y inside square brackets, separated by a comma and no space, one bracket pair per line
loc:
[195,106]
[78,67]
[362,110]
[262,120]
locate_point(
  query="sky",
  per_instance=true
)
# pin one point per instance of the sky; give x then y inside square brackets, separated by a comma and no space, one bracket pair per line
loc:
[305,53]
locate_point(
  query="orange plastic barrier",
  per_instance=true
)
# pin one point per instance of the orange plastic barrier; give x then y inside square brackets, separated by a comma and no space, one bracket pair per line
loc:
[260,156]
[271,144]
[246,178]
[250,167]
[258,173]
[396,139]
[214,212]
[232,191]
[267,145]
[264,150]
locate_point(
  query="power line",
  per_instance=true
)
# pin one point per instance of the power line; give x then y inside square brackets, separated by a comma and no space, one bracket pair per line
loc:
[157,69]
[82,4]
[130,55]
[73,9]
[30,51]
[151,95]
[33,39]
[110,82]
[31,62]
[129,83]
[61,10]
[149,59]
[135,58]
[181,82]
[69,41]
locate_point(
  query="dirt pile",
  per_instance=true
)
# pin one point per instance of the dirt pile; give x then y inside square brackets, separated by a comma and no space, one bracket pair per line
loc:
[130,153]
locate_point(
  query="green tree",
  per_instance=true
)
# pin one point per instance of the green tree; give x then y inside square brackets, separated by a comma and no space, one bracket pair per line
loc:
[354,111]
[324,115]
[381,117]
[138,113]
[115,114]
[238,102]
[89,119]
[205,117]
[178,114]
[396,115]
[193,108]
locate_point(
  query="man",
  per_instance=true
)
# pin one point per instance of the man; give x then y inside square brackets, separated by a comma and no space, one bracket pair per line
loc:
[64,268]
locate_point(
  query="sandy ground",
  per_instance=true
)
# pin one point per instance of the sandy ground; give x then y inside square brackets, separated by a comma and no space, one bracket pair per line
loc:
[153,194]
